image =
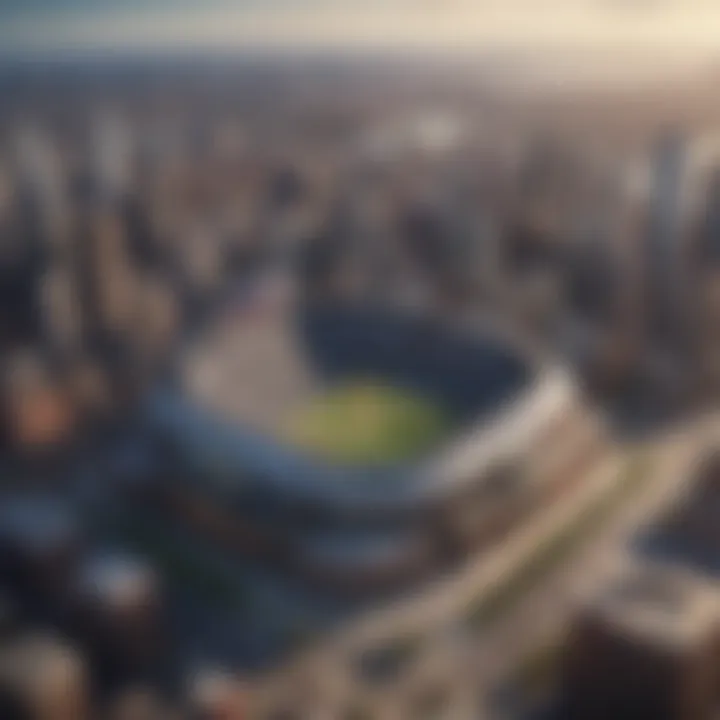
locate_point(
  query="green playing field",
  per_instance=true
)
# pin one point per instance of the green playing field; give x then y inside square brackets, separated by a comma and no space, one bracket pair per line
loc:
[367,422]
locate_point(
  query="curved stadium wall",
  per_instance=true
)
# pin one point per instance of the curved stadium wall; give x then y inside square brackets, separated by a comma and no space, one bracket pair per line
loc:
[358,527]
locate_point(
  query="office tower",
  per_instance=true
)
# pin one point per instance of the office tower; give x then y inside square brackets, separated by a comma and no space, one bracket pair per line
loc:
[112,148]
[646,647]
[285,188]
[157,320]
[106,279]
[709,239]
[200,259]
[20,275]
[42,678]
[693,523]
[61,314]
[35,223]
[42,191]
[8,190]
[90,388]
[664,250]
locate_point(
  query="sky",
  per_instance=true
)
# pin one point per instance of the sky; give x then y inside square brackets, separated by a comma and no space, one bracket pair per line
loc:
[669,28]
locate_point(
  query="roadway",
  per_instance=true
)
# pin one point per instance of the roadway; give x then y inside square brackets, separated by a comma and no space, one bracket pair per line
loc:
[545,612]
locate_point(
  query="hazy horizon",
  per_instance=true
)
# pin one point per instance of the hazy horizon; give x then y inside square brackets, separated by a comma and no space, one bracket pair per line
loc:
[668,30]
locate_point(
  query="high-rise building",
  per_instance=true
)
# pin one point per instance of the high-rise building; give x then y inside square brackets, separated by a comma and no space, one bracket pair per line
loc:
[112,146]
[709,240]
[42,190]
[61,315]
[646,647]
[43,678]
[107,279]
[664,249]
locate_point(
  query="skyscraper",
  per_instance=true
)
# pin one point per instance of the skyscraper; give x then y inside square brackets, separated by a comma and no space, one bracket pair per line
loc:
[664,249]
[112,146]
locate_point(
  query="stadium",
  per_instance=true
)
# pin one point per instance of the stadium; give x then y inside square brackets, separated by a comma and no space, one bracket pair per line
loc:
[360,447]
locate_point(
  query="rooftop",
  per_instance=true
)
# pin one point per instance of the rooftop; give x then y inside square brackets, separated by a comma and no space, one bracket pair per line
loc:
[663,604]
